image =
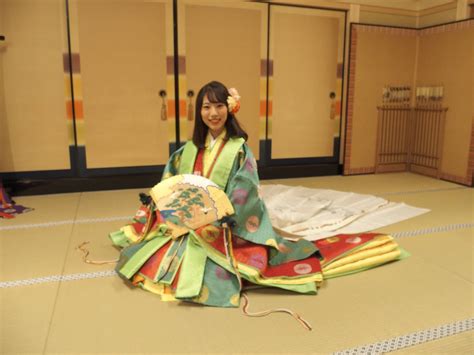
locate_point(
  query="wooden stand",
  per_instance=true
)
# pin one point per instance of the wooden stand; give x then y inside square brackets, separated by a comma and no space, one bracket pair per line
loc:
[410,138]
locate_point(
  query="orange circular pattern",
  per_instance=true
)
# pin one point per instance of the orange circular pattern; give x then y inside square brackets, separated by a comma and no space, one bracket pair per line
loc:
[252,224]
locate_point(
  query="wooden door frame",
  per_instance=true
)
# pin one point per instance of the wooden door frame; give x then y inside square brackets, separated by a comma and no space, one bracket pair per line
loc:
[310,163]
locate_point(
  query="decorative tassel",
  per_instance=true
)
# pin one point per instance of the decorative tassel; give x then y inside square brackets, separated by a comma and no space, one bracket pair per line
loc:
[332,112]
[164,115]
[226,222]
[190,110]
[245,307]
[85,258]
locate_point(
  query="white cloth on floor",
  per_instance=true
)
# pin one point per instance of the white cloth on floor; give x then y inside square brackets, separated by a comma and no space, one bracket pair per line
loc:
[320,213]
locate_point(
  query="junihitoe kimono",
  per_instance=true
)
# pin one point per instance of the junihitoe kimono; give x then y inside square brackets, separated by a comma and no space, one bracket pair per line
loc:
[197,263]
[200,270]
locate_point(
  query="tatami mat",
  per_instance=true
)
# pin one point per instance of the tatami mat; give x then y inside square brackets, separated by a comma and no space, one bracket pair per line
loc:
[101,315]
[447,207]
[99,245]
[366,307]
[25,315]
[59,207]
[452,251]
[101,204]
[33,252]
[371,183]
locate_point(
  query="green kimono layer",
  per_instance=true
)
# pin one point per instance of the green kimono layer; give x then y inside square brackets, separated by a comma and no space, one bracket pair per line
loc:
[236,173]
[205,275]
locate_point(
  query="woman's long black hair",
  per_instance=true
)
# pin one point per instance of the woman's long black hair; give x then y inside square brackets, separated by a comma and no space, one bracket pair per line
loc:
[216,92]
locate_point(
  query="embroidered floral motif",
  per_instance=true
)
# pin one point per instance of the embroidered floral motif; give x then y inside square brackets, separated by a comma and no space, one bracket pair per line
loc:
[239,196]
[283,248]
[249,166]
[354,240]
[258,261]
[210,233]
[302,269]
[272,242]
[234,300]
[222,273]
[329,240]
[204,295]
[252,224]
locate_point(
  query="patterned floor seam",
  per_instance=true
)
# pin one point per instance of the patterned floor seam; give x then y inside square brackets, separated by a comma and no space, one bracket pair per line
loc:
[412,339]
[81,276]
[392,344]
[439,229]
[58,278]
[69,221]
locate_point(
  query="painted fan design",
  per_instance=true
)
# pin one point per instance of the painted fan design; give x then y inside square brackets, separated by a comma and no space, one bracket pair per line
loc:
[191,201]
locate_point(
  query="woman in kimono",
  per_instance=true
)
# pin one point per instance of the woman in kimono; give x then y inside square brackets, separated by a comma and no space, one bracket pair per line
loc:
[200,270]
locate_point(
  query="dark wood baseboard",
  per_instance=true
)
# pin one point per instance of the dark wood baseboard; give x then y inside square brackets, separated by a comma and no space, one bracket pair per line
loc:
[296,171]
[50,184]
[67,185]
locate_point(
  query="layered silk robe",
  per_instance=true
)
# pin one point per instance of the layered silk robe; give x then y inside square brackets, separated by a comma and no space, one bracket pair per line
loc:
[196,268]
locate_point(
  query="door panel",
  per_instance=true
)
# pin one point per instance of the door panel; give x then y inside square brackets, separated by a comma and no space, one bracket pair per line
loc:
[33,119]
[305,48]
[223,43]
[122,46]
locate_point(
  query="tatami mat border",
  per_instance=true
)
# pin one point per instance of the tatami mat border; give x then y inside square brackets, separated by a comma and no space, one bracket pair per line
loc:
[412,339]
[439,229]
[69,221]
[381,347]
[58,278]
[405,234]
[127,218]
[92,275]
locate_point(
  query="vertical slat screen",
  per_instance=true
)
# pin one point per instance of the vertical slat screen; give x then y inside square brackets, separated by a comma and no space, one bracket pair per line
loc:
[393,121]
[429,116]
[410,138]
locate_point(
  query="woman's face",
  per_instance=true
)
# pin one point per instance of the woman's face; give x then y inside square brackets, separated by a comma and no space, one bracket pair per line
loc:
[214,115]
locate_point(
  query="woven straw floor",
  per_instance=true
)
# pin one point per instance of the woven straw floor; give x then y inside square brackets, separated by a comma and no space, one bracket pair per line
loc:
[423,304]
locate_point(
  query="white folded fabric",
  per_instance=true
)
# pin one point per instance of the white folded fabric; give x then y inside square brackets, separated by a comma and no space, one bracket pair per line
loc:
[320,213]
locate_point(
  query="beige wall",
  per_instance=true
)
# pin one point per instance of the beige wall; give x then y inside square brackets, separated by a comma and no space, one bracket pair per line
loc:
[304,75]
[5,145]
[435,18]
[438,56]
[382,59]
[375,17]
[447,59]
[231,56]
[123,68]
[32,105]
[35,115]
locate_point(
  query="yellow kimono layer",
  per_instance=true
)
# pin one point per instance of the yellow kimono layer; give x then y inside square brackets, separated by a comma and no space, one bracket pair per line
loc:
[350,253]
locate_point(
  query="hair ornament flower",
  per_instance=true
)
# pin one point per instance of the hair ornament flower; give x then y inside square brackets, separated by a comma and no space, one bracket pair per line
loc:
[233,101]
